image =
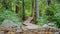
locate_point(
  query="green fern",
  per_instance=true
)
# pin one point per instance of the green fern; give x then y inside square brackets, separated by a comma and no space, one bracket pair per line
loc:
[6,14]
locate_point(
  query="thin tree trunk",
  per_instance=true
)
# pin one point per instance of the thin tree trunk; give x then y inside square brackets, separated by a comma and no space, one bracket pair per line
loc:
[33,8]
[48,2]
[17,9]
[23,11]
[37,10]
[4,4]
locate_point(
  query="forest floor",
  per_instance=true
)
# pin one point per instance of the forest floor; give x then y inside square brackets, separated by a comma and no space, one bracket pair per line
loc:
[28,28]
[15,30]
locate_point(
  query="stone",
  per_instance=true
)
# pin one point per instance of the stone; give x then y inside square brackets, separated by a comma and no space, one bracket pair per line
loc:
[8,23]
[1,32]
[56,33]
[31,26]
[48,26]
[19,30]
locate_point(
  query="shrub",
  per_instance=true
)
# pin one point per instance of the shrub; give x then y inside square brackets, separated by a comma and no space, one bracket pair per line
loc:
[6,14]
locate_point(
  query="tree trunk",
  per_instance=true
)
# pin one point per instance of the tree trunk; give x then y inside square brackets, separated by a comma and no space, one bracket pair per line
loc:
[48,2]
[4,4]
[33,8]
[37,10]
[17,9]
[23,11]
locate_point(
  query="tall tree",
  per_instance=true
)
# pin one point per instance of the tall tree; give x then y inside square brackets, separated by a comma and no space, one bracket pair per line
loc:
[33,8]
[37,10]
[23,11]
[48,2]
[17,9]
[4,4]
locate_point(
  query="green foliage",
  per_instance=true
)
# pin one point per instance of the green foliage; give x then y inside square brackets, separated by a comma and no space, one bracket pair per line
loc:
[49,13]
[55,8]
[1,7]
[6,14]
[28,7]
[43,8]
[57,19]
[42,20]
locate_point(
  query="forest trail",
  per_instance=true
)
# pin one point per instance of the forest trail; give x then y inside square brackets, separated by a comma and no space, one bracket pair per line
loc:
[29,25]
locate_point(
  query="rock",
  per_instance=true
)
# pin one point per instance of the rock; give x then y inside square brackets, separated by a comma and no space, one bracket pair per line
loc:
[19,30]
[2,32]
[56,33]
[46,26]
[51,24]
[8,23]
[31,26]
